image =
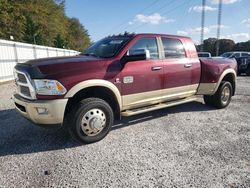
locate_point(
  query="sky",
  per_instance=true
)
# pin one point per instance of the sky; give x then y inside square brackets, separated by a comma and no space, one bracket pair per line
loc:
[183,17]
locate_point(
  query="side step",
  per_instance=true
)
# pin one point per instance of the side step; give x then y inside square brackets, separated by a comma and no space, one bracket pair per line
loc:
[156,106]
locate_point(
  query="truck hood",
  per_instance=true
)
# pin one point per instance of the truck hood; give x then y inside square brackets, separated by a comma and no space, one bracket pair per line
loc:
[61,60]
[48,67]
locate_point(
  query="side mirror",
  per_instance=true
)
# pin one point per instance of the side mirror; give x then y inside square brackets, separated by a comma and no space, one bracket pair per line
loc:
[136,55]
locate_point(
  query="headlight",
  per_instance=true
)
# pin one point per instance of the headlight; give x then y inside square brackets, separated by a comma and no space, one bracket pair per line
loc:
[49,87]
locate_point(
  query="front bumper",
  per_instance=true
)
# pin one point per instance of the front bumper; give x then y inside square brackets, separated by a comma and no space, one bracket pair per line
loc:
[29,109]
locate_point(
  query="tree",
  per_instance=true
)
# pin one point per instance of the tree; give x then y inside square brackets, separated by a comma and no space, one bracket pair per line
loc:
[242,46]
[77,36]
[12,21]
[210,45]
[32,31]
[59,41]
[41,22]
[226,45]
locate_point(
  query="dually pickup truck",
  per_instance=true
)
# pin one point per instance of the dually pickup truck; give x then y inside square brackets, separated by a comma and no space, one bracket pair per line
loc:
[120,75]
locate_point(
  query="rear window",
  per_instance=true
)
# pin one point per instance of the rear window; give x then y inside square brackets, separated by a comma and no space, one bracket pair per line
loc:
[173,48]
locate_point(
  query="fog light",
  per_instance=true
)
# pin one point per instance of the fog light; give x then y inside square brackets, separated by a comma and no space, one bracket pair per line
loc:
[42,110]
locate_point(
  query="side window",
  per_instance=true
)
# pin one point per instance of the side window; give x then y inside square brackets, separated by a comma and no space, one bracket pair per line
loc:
[173,48]
[145,44]
[244,54]
[237,55]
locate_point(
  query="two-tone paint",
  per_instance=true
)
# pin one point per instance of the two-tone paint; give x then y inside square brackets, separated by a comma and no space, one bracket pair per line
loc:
[138,83]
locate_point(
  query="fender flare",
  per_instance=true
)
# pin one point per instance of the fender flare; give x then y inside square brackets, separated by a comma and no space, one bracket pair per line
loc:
[211,88]
[92,83]
[227,71]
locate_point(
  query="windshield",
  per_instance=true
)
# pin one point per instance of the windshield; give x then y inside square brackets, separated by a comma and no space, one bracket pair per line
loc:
[227,54]
[107,47]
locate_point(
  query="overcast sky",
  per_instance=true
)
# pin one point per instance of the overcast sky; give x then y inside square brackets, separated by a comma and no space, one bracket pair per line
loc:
[183,17]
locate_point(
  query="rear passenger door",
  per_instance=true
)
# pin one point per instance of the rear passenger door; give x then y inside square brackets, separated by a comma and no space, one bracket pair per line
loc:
[177,70]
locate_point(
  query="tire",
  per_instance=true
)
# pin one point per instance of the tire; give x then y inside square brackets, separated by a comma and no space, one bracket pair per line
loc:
[223,95]
[90,121]
[248,70]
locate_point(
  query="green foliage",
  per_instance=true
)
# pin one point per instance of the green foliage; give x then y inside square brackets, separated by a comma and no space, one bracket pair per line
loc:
[41,22]
[225,45]
[242,46]
[210,45]
[12,21]
[59,42]
[77,35]
[32,31]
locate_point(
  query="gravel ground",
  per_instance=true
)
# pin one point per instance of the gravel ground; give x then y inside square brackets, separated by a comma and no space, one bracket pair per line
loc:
[189,145]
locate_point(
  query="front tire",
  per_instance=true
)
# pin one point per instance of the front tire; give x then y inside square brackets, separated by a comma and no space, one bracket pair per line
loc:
[90,121]
[222,97]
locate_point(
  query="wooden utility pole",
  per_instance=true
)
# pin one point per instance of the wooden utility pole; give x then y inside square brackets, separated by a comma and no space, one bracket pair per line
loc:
[218,28]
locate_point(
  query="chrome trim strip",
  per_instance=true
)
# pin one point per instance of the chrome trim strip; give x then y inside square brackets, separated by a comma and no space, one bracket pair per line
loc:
[157,106]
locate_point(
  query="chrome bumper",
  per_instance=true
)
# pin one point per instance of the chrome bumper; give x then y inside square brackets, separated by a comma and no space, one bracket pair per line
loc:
[29,109]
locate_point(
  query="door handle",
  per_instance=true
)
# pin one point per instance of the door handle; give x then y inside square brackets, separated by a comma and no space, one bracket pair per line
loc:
[156,68]
[188,65]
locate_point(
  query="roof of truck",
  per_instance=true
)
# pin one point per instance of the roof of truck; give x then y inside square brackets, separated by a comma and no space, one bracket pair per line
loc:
[147,35]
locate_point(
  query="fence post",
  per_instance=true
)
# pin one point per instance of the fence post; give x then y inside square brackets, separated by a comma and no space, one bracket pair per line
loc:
[47,52]
[34,52]
[15,52]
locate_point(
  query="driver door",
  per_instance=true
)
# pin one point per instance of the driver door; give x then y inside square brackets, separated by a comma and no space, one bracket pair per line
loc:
[142,81]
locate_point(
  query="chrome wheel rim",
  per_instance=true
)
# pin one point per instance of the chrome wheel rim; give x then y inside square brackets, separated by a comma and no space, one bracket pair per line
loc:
[93,122]
[225,95]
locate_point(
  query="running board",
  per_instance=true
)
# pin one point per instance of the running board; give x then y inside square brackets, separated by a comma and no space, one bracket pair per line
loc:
[157,106]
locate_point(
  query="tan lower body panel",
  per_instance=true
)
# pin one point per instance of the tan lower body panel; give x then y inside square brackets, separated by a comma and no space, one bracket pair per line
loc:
[158,96]
[206,88]
[56,109]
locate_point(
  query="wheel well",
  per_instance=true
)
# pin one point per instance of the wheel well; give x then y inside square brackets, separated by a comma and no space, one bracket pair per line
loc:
[230,78]
[97,92]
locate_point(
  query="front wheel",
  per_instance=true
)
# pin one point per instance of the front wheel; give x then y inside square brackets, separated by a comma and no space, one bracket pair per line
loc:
[90,121]
[222,97]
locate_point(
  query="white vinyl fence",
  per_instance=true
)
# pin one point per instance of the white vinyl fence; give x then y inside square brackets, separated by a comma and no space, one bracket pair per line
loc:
[12,52]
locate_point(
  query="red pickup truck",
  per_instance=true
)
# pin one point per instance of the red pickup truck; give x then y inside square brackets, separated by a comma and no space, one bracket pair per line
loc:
[120,75]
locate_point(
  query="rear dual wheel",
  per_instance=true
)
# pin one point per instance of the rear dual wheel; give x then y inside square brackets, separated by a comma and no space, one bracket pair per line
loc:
[222,97]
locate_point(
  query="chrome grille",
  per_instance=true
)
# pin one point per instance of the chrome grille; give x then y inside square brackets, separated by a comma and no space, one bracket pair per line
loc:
[24,85]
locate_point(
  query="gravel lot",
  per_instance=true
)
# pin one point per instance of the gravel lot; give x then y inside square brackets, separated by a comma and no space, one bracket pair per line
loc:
[190,145]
